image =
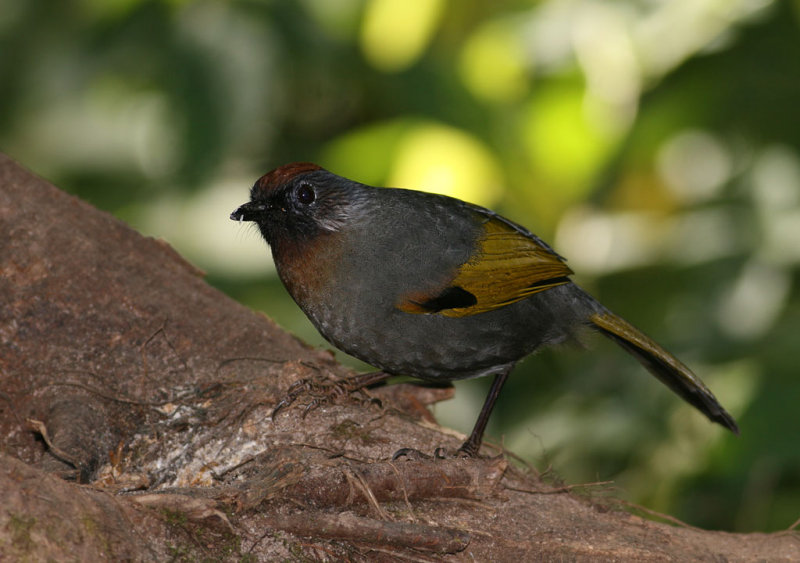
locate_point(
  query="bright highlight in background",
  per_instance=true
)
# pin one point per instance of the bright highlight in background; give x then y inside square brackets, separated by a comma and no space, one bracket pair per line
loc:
[493,63]
[439,159]
[395,32]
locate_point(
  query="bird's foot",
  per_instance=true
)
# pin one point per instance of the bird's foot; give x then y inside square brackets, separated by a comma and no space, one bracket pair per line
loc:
[468,448]
[414,454]
[318,389]
[327,391]
[438,453]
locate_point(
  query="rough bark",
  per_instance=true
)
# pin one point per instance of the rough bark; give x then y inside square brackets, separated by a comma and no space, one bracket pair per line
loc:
[135,424]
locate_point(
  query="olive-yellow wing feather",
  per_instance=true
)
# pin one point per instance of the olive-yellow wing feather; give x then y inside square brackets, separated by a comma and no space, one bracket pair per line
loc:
[508,265]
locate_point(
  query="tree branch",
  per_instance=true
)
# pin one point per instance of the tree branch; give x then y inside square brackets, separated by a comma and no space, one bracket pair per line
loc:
[152,396]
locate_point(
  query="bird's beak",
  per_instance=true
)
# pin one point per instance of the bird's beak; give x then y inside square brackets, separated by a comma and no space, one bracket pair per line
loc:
[250,211]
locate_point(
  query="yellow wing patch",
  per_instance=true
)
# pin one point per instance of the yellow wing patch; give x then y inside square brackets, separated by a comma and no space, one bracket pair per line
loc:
[507,267]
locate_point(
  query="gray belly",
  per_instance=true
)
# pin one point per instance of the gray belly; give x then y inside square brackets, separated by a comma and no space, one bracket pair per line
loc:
[432,346]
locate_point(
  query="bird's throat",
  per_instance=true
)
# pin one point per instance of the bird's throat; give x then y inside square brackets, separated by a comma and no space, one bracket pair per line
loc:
[306,267]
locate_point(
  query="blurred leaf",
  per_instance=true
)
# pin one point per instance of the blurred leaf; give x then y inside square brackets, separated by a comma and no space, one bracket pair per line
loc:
[493,63]
[394,33]
[445,160]
[367,153]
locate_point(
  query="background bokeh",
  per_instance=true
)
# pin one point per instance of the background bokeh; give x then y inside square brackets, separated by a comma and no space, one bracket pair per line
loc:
[653,142]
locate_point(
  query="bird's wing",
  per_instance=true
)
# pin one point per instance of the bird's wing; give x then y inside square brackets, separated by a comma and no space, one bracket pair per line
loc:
[509,264]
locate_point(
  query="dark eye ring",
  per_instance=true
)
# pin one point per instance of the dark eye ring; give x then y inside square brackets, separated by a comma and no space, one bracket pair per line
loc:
[305,194]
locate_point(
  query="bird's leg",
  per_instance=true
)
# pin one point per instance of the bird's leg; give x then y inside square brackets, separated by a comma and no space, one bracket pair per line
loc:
[331,390]
[473,444]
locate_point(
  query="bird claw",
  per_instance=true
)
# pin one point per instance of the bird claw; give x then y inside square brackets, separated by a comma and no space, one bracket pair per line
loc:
[467,450]
[416,455]
[411,454]
[294,391]
[323,392]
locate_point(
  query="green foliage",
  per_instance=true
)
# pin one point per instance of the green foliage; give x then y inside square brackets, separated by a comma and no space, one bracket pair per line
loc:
[655,144]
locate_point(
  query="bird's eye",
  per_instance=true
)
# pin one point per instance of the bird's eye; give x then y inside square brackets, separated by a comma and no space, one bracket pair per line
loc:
[305,194]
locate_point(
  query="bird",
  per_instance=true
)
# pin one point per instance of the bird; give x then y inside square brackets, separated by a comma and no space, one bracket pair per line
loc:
[432,287]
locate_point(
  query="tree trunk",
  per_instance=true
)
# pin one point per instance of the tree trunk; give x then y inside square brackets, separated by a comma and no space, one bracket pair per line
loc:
[135,418]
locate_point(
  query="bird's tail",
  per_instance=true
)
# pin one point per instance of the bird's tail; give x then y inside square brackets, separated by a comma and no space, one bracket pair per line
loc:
[664,366]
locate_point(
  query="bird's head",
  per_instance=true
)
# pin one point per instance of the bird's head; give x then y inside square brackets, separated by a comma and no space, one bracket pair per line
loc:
[298,202]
